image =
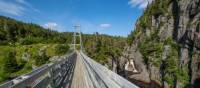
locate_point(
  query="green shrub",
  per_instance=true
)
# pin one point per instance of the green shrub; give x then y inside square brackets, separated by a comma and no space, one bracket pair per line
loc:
[152,52]
[172,67]
[151,49]
[61,49]
[132,36]
[10,63]
[3,76]
[172,43]
[143,21]
[41,58]
[30,40]
[157,9]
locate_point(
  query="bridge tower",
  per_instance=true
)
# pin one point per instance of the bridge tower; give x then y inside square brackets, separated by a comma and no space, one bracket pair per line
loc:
[77,33]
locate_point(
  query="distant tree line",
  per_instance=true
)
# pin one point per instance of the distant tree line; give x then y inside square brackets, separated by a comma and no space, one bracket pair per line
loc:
[13,31]
[103,47]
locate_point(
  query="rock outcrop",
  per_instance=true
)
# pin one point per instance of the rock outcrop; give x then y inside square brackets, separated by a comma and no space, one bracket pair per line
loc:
[165,45]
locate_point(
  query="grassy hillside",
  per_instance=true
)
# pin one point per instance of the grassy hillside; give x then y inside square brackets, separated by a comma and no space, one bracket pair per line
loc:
[25,46]
[26,58]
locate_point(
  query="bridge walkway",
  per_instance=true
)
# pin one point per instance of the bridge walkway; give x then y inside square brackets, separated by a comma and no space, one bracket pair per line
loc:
[79,80]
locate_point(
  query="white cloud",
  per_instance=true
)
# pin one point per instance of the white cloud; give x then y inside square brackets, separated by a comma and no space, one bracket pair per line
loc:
[11,8]
[23,2]
[17,7]
[141,4]
[105,25]
[50,25]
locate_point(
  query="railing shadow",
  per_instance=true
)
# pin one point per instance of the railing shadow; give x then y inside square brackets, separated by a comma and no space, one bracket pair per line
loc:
[67,81]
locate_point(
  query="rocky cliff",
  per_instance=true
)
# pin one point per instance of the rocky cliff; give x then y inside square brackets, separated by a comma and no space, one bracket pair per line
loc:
[165,46]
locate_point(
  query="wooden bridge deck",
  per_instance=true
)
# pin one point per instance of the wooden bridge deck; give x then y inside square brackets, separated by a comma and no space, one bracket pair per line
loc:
[79,80]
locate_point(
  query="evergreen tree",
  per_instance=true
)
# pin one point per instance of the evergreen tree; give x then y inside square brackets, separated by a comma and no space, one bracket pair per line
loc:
[61,49]
[41,58]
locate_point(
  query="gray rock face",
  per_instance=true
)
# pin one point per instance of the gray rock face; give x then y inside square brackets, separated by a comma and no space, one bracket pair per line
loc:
[194,8]
[182,23]
[195,67]
[142,75]
[190,39]
[184,57]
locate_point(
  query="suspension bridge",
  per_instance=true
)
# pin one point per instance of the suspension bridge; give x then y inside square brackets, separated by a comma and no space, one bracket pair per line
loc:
[74,70]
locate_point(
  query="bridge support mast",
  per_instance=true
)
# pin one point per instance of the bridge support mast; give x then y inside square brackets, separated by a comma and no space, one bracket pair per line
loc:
[77,33]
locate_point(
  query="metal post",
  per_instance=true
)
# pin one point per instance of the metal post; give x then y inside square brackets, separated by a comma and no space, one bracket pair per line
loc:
[80,38]
[74,40]
[77,30]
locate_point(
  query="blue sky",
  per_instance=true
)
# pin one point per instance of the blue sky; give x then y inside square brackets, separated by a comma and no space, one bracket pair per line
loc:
[113,17]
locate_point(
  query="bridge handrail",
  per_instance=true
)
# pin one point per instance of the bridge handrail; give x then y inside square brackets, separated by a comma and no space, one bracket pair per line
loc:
[29,78]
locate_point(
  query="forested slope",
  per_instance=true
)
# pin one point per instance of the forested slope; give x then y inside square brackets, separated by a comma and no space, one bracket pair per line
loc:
[25,46]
